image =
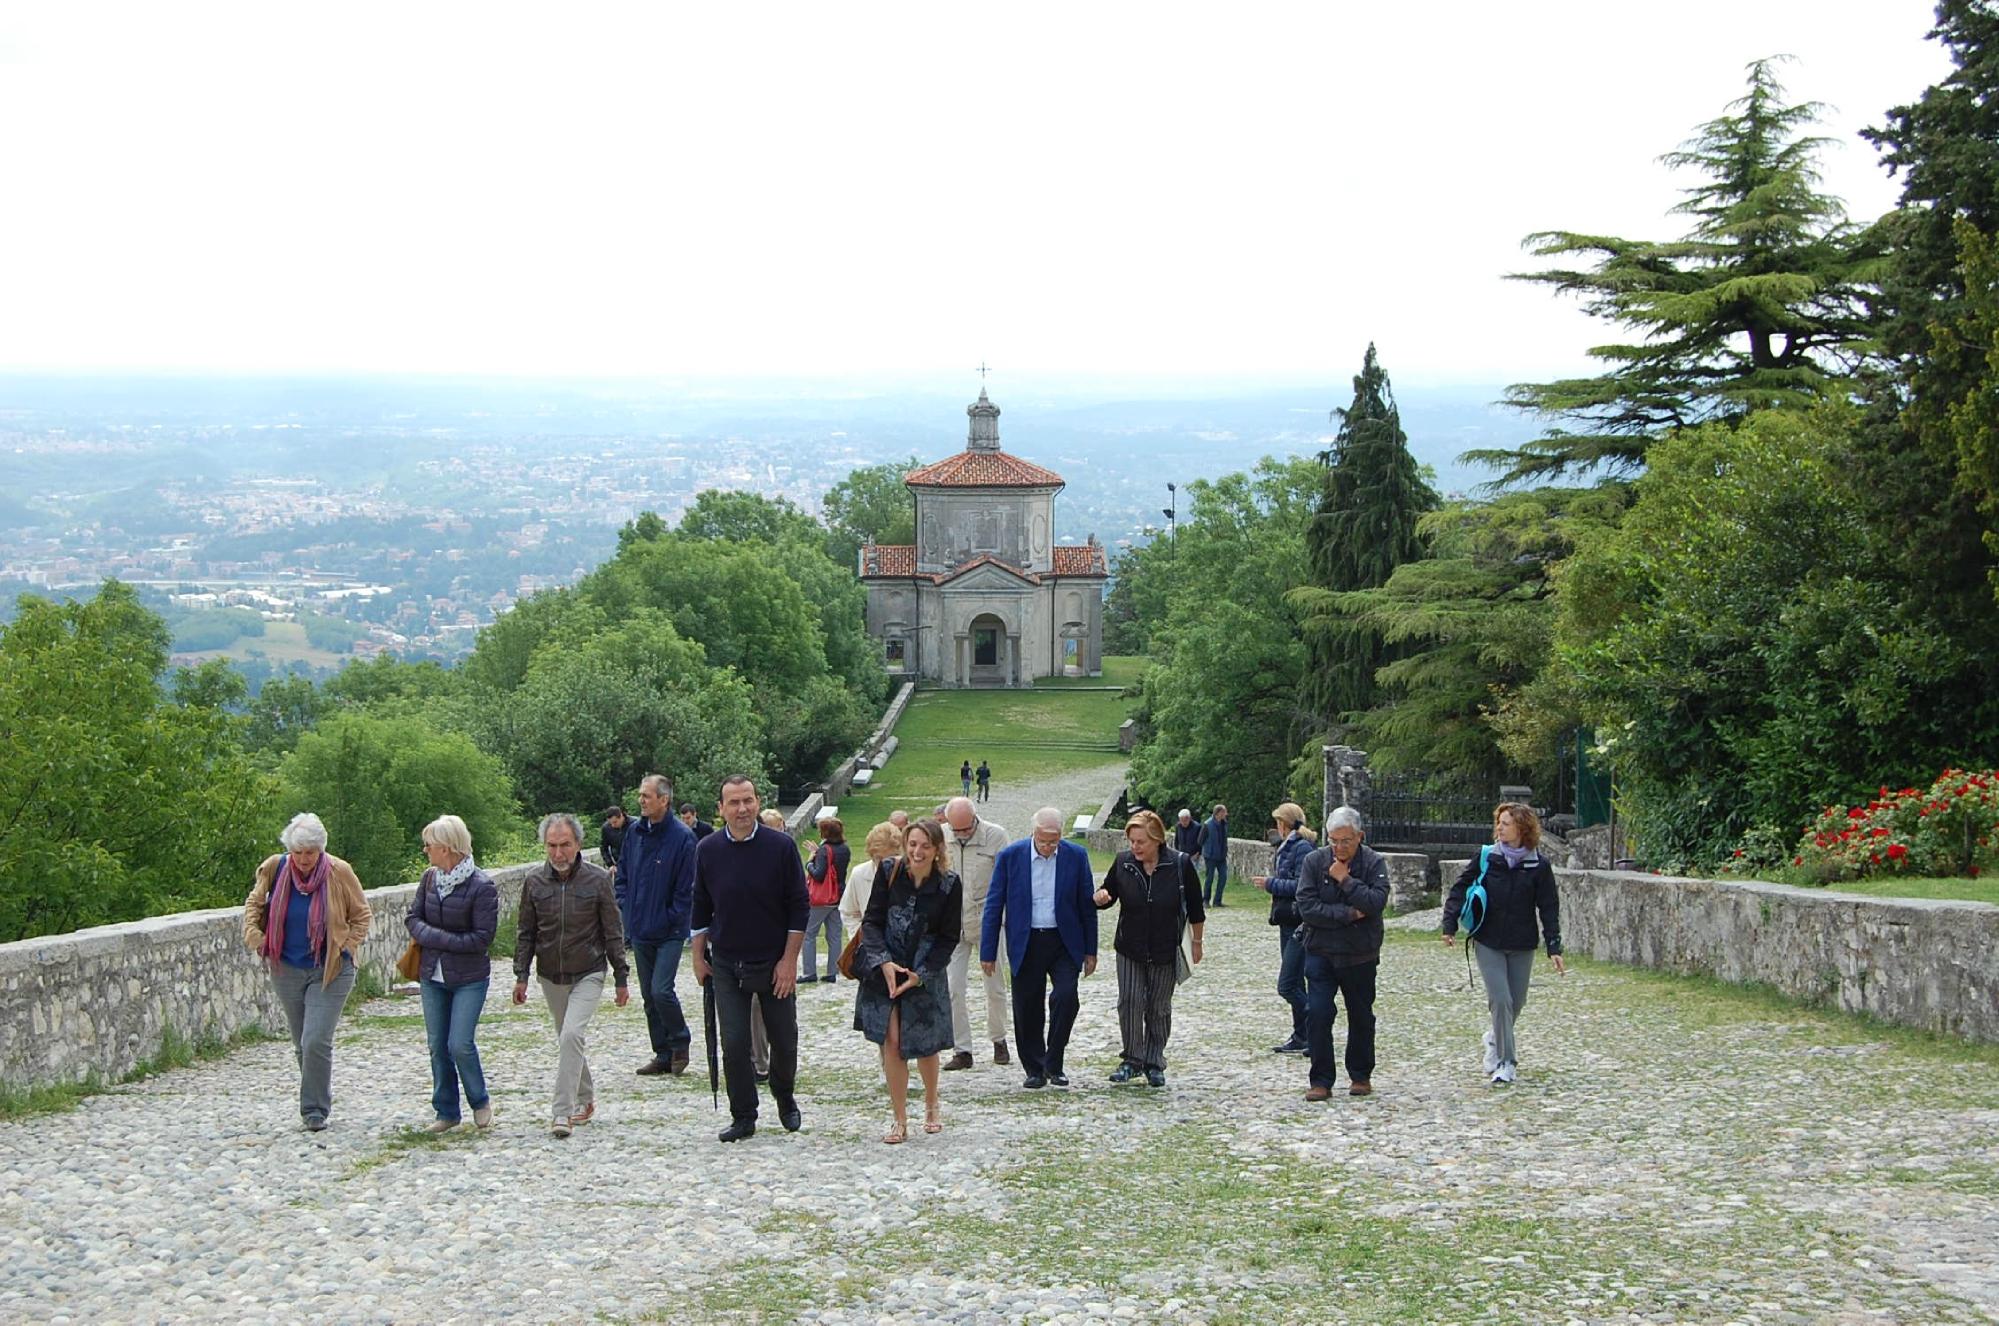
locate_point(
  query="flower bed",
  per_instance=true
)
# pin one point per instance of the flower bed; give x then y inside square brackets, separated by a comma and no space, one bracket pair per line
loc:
[1949,828]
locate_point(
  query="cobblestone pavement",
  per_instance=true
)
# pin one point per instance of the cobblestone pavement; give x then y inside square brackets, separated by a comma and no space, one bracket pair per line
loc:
[1673,1151]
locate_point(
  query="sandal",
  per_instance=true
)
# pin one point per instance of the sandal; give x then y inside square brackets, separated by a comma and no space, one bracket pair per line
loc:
[897,1132]
[931,1122]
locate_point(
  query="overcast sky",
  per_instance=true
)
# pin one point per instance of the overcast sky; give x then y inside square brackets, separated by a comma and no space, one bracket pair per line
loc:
[870,191]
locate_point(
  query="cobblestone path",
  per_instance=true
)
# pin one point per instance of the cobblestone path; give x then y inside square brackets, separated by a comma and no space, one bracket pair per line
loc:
[1674,1151]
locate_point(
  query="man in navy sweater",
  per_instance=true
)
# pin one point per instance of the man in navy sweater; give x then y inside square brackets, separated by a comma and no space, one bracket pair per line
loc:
[749,928]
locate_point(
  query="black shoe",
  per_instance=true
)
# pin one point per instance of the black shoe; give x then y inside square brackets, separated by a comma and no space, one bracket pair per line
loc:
[1292,1046]
[1035,1082]
[1155,1077]
[828,980]
[1058,1079]
[763,1077]
[738,1130]
[788,1116]
[678,1063]
[653,1067]
[1123,1073]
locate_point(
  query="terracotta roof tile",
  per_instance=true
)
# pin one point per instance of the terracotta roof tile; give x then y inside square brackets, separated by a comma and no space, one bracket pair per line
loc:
[888,559]
[1081,560]
[982,469]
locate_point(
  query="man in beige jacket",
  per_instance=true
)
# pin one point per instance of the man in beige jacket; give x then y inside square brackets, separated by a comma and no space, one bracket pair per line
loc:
[973,845]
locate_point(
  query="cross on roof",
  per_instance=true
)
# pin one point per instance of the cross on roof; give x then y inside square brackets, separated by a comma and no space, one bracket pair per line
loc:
[983,370]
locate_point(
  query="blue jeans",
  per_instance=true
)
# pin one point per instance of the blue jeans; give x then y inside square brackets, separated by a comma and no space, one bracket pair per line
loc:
[658,965]
[1291,977]
[1217,879]
[451,1016]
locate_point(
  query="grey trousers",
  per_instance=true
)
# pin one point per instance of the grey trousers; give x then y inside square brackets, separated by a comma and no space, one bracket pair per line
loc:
[1505,972]
[312,1010]
[828,919]
[1144,1010]
[572,1006]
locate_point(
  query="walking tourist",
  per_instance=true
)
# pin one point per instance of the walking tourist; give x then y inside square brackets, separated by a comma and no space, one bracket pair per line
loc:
[825,881]
[568,929]
[1159,895]
[965,779]
[984,778]
[913,923]
[699,827]
[1282,886]
[1215,855]
[655,891]
[611,836]
[306,917]
[454,918]
[1518,886]
[1040,899]
[1187,834]
[883,842]
[1342,892]
[749,925]
[972,845]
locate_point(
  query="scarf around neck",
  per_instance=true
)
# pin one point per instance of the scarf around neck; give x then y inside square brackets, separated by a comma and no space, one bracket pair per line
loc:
[313,886]
[1514,855]
[447,880]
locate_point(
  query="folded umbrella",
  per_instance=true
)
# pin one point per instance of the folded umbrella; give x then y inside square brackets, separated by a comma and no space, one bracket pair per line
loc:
[708,1027]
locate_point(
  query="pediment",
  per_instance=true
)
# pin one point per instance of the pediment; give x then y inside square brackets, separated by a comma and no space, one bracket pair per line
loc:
[990,576]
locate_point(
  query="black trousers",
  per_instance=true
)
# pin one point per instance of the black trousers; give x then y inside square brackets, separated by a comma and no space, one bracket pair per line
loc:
[1354,985]
[736,985]
[1047,959]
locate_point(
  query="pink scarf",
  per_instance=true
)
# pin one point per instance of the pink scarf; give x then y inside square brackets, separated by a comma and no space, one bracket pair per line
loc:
[312,886]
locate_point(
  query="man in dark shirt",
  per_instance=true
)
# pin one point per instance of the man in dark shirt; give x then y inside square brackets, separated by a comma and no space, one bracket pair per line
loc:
[611,839]
[749,927]
[692,819]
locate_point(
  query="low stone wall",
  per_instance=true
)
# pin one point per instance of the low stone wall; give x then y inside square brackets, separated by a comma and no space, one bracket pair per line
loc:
[1912,961]
[103,1000]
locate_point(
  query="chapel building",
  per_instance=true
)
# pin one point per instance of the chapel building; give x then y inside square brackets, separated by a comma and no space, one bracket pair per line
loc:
[985,597]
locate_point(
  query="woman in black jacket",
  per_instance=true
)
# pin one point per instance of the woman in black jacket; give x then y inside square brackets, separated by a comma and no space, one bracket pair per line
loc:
[912,925]
[1519,884]
[1161,893]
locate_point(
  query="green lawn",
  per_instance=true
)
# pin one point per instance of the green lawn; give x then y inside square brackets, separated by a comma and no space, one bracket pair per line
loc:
[1954,888]
[1119,670]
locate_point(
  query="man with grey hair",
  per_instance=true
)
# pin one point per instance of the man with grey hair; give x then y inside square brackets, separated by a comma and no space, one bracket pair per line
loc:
[569,927]
[1342,892]
[973,845]
[1041,900]
[656,897]
[1186,833]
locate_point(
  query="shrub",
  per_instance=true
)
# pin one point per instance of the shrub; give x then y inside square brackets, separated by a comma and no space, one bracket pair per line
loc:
[1949,828]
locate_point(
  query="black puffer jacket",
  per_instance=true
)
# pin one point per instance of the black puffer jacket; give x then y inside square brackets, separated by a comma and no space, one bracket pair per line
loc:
[1343,921]
[1513,896]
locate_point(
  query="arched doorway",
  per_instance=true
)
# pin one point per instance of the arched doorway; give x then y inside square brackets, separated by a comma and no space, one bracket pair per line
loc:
[988,651]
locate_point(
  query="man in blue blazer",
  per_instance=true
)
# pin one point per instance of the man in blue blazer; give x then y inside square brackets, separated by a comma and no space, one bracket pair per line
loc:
[1041,893]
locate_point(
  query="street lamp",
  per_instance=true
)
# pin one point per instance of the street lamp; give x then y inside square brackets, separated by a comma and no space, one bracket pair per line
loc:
[1170,511]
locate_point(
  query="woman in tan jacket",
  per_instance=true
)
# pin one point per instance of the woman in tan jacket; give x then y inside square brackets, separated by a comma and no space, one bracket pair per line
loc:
[306,918]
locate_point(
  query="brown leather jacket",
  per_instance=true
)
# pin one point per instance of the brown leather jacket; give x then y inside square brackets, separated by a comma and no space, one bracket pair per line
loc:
[569,927]
[347,914]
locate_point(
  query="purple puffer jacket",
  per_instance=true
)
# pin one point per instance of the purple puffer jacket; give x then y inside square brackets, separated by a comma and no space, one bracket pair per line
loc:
[458,929]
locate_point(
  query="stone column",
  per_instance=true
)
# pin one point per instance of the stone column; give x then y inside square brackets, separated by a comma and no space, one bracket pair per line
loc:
[960,673]
[1346,778]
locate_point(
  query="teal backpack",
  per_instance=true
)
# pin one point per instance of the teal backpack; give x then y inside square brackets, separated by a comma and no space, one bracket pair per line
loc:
[1471,913]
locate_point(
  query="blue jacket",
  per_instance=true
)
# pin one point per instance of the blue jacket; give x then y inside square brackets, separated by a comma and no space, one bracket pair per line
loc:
[1215,840]
[1010,901]
[1291,854]
[458,929]
[656,880]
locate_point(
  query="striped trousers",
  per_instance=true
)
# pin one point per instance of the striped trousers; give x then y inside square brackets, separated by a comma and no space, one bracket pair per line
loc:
[1144,1010]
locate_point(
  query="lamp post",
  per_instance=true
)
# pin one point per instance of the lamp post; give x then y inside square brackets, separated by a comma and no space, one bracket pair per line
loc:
[1171,512]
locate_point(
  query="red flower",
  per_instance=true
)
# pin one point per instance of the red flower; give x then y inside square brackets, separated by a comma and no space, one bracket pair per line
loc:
[1897,851]
[1877,832]
[1857,813]
[1797,860]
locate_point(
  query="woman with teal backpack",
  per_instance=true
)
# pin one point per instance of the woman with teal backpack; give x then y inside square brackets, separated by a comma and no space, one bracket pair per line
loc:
[1496,901]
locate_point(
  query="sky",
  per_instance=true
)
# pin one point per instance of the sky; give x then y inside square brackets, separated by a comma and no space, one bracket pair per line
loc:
[881,192]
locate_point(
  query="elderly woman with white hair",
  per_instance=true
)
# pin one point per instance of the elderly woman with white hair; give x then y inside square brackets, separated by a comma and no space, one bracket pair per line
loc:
[306,917]
[454,917]
[1342,892]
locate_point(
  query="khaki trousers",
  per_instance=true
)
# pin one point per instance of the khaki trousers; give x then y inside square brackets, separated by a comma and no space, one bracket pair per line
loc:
[572,1007]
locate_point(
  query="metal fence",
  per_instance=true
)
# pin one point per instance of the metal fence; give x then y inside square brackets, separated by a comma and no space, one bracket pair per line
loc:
[1414,808]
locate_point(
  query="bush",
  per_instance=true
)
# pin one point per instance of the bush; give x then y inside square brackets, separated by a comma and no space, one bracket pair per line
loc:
[1949,828]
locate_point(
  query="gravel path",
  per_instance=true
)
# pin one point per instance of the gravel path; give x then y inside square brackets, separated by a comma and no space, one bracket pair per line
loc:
[1673,1152]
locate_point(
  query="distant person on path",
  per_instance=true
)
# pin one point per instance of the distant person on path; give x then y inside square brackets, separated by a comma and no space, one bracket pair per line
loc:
[1158,892]
[825,882]
[568,929]
[1282,886]
[973,845]
[699,827]
[912,926]
[1040,899]
[1519,885]
[454,918]
[655,891]
[1342,892]
[883,842]
[611,838]
[1215,855]
[984,777]
[1186,834]
[749,925]
[306,917]
[965,779]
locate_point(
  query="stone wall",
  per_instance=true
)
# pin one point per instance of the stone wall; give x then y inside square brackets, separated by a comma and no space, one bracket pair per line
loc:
[101,1001]
[1912,961]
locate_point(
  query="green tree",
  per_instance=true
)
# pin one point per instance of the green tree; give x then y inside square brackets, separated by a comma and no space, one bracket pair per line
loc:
[745,517]
[1365,526]
[115,803]
[870,505]
[376,781]
[500,656]
[1759,304]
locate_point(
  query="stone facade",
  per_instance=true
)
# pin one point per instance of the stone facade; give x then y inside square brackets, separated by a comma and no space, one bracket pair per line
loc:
[101,1001]
[984,597]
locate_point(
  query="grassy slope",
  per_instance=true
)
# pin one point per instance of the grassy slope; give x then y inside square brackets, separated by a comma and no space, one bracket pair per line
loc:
[1957,888]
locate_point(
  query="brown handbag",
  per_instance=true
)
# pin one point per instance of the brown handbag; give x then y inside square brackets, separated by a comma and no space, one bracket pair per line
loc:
[852,950]
[411,962]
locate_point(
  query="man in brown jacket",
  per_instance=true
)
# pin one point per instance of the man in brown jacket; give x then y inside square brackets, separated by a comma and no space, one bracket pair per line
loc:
[569,926]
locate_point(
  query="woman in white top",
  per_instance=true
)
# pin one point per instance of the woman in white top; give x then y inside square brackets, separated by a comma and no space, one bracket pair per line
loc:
[884,841]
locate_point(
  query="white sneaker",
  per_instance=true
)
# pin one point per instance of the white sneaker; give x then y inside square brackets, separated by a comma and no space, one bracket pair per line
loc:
[1491,1060]
[1504,1075]
[560,1128]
